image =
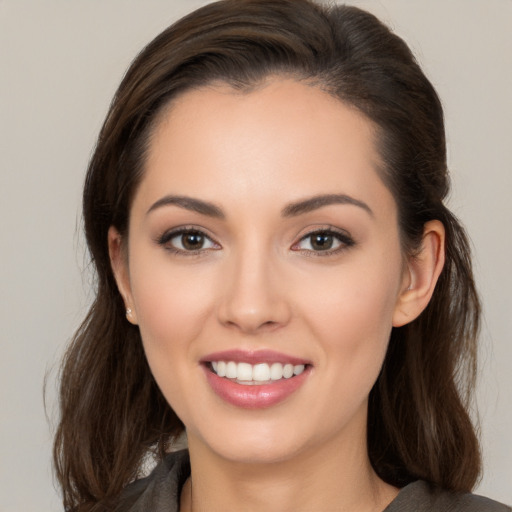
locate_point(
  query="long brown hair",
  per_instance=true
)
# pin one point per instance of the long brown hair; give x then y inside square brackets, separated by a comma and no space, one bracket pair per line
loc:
[112,412]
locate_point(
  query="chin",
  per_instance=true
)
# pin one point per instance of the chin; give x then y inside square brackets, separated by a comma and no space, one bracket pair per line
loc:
[256,442]
[245,441]
[255,453]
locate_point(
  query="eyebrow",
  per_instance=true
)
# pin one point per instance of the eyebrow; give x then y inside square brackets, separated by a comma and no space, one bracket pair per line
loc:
[293,209]
[189,203]
[313,203]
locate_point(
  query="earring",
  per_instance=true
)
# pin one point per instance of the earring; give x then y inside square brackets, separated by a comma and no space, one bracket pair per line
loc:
[128,312]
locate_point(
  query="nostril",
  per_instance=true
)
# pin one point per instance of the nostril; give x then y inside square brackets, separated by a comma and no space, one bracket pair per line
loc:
[250,303]
[251,324]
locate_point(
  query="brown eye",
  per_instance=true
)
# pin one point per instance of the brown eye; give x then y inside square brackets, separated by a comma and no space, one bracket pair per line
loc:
[321,241]
[328,241]
[192,241]
[187,241]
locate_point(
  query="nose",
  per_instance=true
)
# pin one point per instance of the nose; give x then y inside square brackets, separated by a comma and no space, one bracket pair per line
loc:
[253,298]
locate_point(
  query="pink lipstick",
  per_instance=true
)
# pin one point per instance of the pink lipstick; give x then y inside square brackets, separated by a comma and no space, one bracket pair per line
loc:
[255,379]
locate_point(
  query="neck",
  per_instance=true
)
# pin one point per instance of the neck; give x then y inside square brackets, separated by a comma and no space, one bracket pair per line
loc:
[311,480]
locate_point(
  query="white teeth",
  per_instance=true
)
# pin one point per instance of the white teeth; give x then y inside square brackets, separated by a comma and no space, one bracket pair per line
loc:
[287,371]
[261,372]
[221,369]
[276,371]
[231,370]
[244,371]
[298,369]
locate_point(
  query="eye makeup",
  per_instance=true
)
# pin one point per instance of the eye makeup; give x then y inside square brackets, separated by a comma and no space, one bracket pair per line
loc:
[191,241]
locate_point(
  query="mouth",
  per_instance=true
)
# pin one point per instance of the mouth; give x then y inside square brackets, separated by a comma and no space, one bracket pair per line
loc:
[255,374]
[255,380]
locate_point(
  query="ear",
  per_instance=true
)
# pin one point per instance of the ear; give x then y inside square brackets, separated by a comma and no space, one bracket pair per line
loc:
[421,275]
[119,264]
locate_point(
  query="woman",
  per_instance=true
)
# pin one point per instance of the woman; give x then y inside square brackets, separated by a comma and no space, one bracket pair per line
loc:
[277,275]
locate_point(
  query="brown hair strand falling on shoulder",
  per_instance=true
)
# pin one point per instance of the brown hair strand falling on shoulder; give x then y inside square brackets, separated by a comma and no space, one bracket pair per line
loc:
[112,412]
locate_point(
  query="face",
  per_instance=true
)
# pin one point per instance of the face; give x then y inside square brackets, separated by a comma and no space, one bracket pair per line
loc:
[264,269]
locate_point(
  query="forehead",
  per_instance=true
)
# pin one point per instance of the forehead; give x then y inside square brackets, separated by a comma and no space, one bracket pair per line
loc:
[285,136]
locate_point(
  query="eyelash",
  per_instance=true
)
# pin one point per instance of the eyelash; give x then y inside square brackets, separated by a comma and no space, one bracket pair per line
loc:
[165,239]
[344,239]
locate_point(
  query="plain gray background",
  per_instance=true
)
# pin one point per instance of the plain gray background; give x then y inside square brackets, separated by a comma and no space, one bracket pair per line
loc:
[60,62]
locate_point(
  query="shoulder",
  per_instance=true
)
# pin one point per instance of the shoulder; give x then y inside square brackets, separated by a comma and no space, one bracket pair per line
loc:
[161,488]
[423,497]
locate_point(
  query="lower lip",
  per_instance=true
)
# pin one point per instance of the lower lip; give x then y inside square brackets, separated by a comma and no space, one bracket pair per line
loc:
[258,396]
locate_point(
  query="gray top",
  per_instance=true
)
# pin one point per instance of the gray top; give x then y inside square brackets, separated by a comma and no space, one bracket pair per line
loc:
[160,492]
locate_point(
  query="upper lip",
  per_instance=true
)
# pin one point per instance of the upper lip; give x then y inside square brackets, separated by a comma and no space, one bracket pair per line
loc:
[253,357]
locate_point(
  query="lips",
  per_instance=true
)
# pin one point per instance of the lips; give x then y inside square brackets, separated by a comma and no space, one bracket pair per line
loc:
[254,380]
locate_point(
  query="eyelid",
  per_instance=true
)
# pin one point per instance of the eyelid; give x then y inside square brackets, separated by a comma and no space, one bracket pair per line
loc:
[345,239]
[169,234]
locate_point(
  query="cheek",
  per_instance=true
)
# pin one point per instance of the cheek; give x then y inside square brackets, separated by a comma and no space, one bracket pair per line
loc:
[170,304]
[171,307]
[357,297]
[352,315]
[352,322]
[356,327]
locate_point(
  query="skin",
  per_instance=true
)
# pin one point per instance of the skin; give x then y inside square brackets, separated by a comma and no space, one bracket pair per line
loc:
[259,283]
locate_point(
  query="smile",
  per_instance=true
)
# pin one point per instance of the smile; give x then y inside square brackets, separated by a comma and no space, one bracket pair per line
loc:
[255,374]
[255,379]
